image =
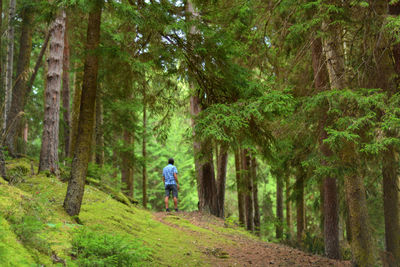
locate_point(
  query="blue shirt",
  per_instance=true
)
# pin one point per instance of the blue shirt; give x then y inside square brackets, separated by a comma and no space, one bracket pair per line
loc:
[168,173]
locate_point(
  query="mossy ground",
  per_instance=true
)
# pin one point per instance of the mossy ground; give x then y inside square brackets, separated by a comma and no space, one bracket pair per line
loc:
[172,241]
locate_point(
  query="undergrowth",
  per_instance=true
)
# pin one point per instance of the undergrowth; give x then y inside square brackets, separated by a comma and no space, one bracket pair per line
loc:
[92,248]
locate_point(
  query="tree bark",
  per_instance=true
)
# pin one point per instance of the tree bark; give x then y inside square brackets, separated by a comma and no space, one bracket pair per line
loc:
[76,103]
[66,92]
[127,168]
[144,151]
[239,187]
[362,249]
[361,244]
[288,206]
[76,184]
[330,204]
[248,193]
[99,129]
[391,203]
[299,187]
[19,91]
[204,165]
[9,63]
[49,150]
[279,207]
[257,219]
[222,162]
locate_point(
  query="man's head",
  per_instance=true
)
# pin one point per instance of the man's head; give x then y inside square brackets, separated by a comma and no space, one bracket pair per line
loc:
[171,161]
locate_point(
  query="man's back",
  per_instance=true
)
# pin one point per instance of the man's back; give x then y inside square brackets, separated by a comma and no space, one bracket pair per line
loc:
[168,173]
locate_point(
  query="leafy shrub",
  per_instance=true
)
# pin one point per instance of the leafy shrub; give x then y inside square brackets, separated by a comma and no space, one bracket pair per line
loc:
[100,249]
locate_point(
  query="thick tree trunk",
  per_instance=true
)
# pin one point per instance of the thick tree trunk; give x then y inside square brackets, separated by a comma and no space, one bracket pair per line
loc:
[76,184]
[66,92]
[362,249]
[9,63]
[222,162]
[361,244]
[299,187]
[127,168]
[257,219]
[239,187]
[279,207]
[391,204]
[49,150]
[99,130]
[76,103]
[19,92]
[204,165]
[144,151]
[248,193]
[330,204]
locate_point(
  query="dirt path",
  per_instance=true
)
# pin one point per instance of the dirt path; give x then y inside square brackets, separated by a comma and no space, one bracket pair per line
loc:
[246,251]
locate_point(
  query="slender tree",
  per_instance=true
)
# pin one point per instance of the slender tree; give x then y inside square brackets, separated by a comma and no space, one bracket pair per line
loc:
[248,194]
[144,150]
[239,187]
[66,91]
[257,218]
[76,184]
[9,63]
[222,162]
[49,150]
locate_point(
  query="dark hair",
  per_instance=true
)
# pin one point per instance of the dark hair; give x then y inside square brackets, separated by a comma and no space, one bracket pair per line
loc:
[171,161]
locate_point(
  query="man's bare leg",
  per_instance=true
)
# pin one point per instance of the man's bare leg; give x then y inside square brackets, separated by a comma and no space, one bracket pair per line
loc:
[176,203]
[166,202]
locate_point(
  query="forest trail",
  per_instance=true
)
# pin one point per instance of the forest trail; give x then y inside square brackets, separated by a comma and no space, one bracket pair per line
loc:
[239,249]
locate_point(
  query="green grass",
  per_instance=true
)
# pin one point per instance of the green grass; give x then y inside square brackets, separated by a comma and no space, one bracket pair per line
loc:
[35,225]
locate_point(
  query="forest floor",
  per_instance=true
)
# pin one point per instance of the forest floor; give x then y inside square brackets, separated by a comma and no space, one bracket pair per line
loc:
[239,249]
[36,231]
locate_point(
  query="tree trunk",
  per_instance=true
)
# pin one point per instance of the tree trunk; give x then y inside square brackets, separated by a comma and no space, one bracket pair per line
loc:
[76,103]
[76,184]
[9,63]
[66,92]
[222,162]
[99,129]
[299,187]
[19,91]
[361,245]
[49,150]
[239,186]
[204,165]
[362,249]
[257,219]
[394,10]
[330,204]
[391,204]
[288,207]
[144,151]
[248,193]
[127,168]
[279,207]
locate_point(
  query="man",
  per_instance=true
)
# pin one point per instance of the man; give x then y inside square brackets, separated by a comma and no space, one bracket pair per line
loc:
[170,180]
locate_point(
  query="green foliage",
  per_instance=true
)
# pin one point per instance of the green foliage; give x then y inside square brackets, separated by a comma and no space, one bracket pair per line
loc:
[92,248]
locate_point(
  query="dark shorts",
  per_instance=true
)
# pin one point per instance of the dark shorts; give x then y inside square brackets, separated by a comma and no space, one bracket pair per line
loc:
[173,188]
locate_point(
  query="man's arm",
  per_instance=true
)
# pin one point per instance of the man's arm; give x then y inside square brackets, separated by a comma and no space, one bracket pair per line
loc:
[176,180]
[163,179]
